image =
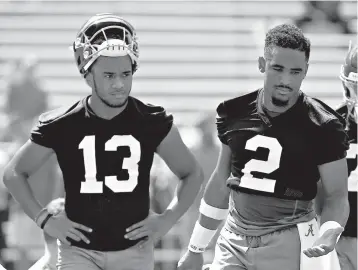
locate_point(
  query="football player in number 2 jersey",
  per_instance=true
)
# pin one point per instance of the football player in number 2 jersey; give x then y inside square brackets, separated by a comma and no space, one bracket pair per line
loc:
[105,145]
[277,142]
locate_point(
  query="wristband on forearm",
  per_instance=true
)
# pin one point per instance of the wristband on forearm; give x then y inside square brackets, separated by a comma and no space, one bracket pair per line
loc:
[329,225]
[37,219]
[43,223]
[212,212]
[200,238]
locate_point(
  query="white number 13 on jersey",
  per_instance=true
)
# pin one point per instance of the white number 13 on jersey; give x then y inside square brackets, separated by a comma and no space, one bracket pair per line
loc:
[91,185]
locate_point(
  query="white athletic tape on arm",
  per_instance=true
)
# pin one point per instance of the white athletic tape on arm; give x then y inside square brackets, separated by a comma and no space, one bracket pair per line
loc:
[329,225]
[200,238]
[212,212]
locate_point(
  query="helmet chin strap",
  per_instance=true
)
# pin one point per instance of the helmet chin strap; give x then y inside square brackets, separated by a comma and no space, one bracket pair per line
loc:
[351,101]
[351,110]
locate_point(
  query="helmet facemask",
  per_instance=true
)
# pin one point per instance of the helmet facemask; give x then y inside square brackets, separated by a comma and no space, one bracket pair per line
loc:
[109,36]
[349,75]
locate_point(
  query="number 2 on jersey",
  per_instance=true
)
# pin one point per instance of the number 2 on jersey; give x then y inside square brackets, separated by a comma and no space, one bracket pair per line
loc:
[265,166]
[91,185]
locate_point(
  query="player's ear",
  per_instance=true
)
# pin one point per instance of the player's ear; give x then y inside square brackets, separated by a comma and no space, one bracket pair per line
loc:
[89,79]
[307,65]
[262,64]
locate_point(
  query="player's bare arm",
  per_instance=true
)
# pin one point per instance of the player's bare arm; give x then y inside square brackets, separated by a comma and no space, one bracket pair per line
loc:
[335,187]
[318,201]
[216,192]
[24,163]
[183,164]
[335,206]
[213,210]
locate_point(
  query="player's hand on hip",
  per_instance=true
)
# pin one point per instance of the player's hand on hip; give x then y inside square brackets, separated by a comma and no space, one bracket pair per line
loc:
[154,227]
[191,261]
[61,227]
[324,244]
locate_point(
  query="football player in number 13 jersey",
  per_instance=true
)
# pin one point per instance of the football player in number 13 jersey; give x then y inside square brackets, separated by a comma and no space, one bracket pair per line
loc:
[105,145]
[277,142]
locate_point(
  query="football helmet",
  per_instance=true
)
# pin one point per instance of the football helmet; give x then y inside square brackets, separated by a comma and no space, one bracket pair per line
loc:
[349,75]
[105,34]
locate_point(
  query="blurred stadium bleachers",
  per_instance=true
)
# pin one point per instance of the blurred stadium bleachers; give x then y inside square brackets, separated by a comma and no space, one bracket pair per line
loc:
[193,54]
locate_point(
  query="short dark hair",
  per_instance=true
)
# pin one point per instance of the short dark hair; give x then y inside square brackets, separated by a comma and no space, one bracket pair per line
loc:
[287,36]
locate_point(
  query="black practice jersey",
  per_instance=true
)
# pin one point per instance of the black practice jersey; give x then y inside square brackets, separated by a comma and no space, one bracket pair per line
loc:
[105,165]
[279,156]
[351,226]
